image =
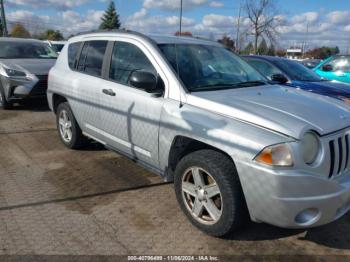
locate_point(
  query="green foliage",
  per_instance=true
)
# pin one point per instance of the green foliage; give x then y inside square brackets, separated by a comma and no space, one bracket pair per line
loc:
[322,52]
[263,49]
[53,35]
[110,19]
[18,30]
[227,42]
[249,49]
[1,32]
[271,51]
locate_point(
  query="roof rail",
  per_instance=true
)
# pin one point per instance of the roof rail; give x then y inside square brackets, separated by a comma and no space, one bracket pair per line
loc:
[109,31]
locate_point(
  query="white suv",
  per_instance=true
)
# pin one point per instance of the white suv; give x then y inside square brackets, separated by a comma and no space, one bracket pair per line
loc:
[193,112]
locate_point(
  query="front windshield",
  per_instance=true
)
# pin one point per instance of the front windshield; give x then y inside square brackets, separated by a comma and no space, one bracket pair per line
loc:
[297,71]
[206,67]
[23,50]
[57,47]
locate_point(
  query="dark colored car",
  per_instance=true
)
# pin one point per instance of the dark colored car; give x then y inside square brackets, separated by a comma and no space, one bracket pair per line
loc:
[293,74]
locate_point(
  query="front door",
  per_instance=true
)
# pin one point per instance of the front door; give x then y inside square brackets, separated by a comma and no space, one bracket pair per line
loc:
[129,116]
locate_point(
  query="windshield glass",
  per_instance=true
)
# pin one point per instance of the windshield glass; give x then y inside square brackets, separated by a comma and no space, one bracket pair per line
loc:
[57,47]
[297,71]
[14,50]
[206,67]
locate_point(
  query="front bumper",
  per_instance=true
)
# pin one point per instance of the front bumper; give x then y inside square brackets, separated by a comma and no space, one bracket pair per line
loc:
[293,199]
[18,88]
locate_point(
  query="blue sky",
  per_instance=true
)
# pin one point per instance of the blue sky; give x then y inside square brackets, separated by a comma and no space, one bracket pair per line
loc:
[329,21]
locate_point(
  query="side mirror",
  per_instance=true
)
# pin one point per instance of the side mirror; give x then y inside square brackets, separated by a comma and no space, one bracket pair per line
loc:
[327,68]
[279,78]
[144,80]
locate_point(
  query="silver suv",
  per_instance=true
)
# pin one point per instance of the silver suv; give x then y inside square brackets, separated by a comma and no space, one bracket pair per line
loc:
[193,112]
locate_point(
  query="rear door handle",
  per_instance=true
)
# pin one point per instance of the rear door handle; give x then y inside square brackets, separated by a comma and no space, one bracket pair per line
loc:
[108,92]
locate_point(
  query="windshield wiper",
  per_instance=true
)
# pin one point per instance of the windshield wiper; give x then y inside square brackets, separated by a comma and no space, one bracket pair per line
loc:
[251,83]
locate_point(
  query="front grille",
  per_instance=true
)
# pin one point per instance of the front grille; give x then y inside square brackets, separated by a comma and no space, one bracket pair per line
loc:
[40,88]
[339,155]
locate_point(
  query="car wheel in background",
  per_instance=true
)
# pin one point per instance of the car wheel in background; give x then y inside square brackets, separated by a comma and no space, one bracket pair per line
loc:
[68,128]
[4,104]
[209,192]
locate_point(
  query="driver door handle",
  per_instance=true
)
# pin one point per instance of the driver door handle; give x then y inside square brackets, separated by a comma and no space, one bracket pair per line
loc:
[108,92]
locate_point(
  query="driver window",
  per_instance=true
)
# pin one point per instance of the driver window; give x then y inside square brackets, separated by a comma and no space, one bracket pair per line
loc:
[265,68]
[127,58]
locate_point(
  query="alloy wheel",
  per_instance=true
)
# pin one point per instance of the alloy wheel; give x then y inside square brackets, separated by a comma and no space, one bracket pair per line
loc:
[65,126]
[202,195]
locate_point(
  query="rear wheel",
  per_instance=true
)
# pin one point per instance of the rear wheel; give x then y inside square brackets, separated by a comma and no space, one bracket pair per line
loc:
[209,192]
[4,104]
[68,128]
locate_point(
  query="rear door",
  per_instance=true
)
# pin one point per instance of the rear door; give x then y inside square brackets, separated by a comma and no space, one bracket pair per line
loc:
[86,85]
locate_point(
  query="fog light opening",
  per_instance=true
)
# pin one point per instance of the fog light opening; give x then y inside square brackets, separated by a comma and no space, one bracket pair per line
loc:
[308,216]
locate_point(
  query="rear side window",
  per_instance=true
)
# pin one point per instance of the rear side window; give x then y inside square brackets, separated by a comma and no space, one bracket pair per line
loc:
[72,54]
[127,58]
[91,58]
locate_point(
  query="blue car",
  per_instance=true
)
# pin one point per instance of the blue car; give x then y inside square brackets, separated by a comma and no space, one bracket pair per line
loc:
[293,74]
[335,68]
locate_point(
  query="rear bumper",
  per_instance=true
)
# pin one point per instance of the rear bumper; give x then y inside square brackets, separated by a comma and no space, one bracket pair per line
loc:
[293,199]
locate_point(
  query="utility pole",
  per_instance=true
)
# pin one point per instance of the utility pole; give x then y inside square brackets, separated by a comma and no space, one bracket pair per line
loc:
[306,39]
[3,18]
[180,17]
[238,26]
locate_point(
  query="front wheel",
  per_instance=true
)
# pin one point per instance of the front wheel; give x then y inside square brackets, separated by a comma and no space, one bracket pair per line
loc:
[209,192]
[68,128]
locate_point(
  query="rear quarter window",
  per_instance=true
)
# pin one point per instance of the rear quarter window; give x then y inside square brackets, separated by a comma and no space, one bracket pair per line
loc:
[72,54]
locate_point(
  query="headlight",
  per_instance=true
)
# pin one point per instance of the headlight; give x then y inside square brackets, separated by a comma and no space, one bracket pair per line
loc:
[14,73]
[276,155]
[310,147]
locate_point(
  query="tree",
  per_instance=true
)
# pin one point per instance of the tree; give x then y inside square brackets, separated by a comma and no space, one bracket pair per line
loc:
[272,50]
[18,30]
[1,32]
[110,19]
[262,17]
[51,34]
[263,49]
[322,52]
[248,49]
[183,34]
[228,42]
[281,52]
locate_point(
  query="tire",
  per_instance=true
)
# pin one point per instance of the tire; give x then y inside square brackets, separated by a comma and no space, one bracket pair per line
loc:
[69,131]
[4,104]
[218,172]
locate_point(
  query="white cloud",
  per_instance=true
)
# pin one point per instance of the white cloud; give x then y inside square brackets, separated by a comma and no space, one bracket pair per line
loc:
[339,17]
[58,4]
[216,4]
[309,17]
[172,4]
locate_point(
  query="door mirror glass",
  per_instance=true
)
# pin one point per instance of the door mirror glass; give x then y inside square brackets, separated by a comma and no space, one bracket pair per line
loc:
[279,78]
[144,80]
[327,68]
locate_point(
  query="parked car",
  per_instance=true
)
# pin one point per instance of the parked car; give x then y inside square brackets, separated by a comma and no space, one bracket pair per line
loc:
[24,67]
[335,68]
[311,63]
[57,46]
[194,112]
[294,74]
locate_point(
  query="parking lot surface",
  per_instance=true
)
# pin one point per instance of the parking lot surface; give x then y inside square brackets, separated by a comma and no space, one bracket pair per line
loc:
[55,201]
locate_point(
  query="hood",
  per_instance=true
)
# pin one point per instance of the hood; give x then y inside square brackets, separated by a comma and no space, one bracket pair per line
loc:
[34,66]
[328,88]
[286,110]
